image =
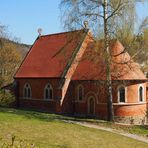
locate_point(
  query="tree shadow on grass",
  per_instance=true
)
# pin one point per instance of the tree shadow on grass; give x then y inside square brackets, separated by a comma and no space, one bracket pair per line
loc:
[44,116]
[50,117]
[31,114]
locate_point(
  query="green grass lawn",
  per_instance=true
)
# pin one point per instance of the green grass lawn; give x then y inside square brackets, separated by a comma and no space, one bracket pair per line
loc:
[47,130]
[141,130]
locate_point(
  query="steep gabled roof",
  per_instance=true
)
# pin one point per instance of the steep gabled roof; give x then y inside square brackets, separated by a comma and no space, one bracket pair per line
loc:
[49,55]
[93,67]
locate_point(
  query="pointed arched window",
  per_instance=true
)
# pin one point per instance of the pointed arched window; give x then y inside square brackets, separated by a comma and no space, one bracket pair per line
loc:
[48,92]
[121,94]
[141,93]
[80,92]
[27,91]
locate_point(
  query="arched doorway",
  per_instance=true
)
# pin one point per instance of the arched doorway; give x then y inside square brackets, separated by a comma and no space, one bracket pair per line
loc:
[91,106]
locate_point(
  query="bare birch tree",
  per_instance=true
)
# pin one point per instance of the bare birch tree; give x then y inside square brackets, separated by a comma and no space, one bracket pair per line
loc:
[106,19]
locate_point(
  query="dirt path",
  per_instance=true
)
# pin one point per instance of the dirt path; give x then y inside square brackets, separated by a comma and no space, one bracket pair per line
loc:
[133,136]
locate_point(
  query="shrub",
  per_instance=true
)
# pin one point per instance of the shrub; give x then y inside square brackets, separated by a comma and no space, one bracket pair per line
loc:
[6,98]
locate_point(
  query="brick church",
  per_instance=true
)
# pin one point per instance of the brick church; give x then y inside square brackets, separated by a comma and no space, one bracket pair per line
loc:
[66,73]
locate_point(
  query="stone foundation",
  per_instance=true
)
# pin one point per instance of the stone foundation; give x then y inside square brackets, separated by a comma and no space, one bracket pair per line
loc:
[135,120]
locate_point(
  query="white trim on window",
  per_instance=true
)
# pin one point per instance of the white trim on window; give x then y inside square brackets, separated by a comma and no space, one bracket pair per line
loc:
[48,92]
[80,95]
[125,89]
[143,98]
[27,92]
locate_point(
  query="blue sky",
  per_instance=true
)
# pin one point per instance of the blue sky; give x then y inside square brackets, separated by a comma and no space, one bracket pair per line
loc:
[24,17]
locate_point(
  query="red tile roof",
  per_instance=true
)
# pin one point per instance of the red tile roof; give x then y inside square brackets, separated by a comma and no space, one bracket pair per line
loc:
[49,55]
[93,66]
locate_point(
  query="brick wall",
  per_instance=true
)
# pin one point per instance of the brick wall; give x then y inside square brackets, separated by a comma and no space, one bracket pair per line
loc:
[131,108]
[37,100]
[71,104]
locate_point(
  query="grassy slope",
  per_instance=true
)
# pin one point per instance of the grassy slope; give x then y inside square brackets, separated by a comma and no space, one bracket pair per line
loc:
[46,130]
[141,130]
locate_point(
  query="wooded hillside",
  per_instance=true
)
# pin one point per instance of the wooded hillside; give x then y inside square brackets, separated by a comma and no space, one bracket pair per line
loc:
[11,55]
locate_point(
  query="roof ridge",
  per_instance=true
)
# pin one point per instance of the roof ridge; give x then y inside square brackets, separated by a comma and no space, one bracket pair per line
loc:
[58,33]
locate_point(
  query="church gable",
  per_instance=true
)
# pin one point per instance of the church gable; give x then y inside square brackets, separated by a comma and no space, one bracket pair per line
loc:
[49,55]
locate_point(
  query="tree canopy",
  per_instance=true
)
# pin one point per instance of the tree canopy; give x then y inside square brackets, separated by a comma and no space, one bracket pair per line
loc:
[121,23]
[9,58]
